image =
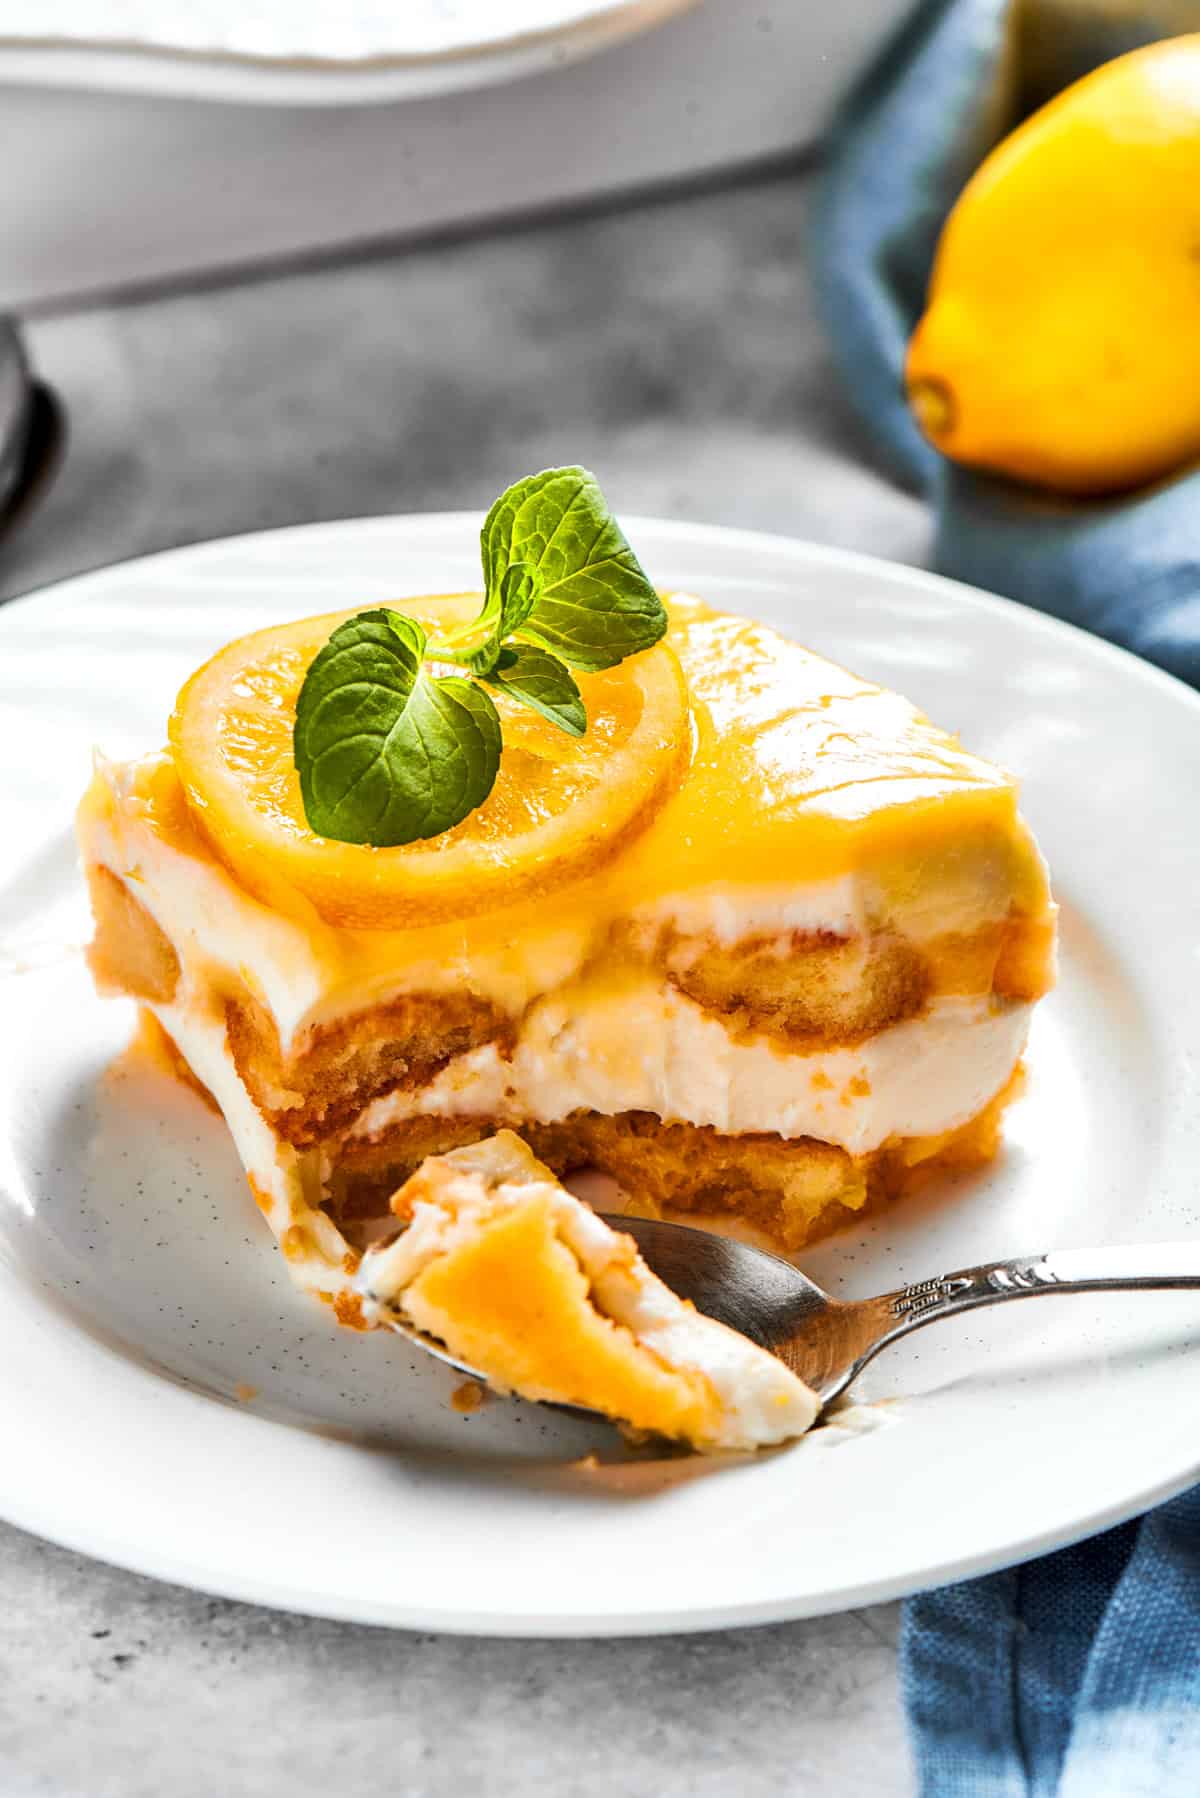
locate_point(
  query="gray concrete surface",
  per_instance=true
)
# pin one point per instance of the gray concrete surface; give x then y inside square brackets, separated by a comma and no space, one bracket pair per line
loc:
[672,347]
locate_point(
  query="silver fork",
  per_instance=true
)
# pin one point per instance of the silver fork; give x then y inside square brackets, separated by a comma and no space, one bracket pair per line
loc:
[829,1341]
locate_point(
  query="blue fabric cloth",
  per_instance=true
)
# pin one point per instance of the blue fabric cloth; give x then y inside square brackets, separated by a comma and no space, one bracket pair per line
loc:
[958,75]
[1078,1675]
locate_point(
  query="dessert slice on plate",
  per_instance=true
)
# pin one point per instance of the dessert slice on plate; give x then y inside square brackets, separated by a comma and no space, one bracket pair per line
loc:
[708,913]
[528,1286]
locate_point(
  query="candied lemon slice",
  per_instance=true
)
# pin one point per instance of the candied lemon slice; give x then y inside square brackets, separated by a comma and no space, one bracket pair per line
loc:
[560,805]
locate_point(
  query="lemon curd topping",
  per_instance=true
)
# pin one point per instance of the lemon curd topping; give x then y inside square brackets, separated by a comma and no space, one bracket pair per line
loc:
[802,772]
[802,794]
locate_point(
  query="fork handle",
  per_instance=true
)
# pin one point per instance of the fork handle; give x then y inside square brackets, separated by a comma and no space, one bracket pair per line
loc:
[1152,1266]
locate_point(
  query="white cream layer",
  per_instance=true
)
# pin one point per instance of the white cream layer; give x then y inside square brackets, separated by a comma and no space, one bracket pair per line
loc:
[286,1182]
[646,1047]
[761,1400]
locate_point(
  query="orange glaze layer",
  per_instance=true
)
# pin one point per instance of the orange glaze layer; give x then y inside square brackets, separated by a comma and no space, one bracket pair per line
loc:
[800,773]
[803,772]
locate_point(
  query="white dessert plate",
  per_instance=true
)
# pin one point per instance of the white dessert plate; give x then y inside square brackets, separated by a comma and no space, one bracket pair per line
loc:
[303,52]
[170,1404]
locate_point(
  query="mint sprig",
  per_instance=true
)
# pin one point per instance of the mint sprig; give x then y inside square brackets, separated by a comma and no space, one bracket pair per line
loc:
[396,737]
[594,605]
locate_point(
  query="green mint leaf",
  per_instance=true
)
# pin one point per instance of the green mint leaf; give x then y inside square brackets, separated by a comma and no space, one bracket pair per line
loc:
[504,611]
[595,604]
[356,688]
[537,679]
[445,758]
[520,591]
[386,753]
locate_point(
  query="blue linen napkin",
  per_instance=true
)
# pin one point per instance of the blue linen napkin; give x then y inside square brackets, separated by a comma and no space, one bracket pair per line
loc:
[1078,1675]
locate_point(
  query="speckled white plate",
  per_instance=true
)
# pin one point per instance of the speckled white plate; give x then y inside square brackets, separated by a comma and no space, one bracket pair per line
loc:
[140,1294]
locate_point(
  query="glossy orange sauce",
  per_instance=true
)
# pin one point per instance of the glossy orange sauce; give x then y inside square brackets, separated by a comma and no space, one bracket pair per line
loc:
[799,772]
[802,771]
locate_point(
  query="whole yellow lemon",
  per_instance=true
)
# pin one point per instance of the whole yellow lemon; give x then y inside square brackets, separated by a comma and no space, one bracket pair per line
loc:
[1061,340]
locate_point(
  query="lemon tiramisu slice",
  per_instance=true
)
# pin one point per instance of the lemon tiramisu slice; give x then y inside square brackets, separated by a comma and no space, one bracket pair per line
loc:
[527,1286]
[709,913]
